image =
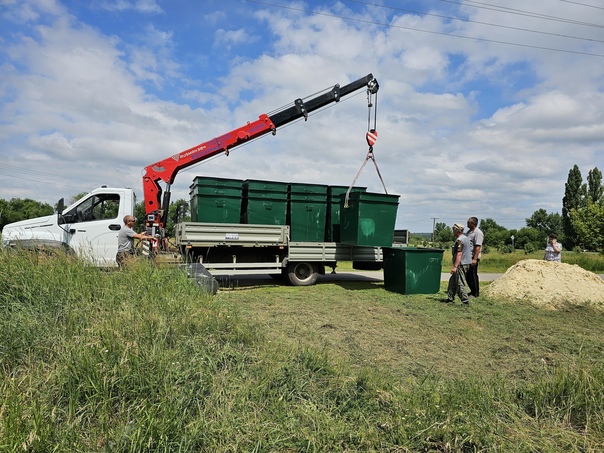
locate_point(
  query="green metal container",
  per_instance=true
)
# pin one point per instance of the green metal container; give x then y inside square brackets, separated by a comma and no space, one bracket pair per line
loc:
[333,210]
[369,219]
[412,270]
[264,202]
[216,200]
[307,212]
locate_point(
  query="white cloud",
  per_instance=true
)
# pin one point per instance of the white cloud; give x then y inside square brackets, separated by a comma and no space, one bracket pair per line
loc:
[143,6]
[230,38]
[465,127]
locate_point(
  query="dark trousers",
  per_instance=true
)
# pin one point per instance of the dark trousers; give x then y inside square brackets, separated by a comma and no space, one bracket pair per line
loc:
[458,283]
[473,281]
[123,257]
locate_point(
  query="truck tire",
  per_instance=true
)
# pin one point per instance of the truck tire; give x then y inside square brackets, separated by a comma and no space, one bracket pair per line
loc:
[302,274]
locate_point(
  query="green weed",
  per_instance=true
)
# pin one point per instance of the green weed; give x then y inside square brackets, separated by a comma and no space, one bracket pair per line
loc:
[143,360]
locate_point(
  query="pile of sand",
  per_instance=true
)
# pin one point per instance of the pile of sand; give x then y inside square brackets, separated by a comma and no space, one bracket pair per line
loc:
[549,285]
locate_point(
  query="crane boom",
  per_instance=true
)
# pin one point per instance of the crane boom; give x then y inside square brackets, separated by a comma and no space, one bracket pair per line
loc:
[167,169]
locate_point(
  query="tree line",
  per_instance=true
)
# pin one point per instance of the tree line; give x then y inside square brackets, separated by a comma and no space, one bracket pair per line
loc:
[579,227]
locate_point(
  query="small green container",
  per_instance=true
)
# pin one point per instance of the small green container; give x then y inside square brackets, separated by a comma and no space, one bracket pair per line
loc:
[369,219]
[307,212]
[264,202]
[216,200]
[412,270]
[333,210]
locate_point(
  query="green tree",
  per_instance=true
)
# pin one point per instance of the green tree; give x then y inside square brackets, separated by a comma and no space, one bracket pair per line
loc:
[442,233]
[494,235]
[575,193]
[545,223]
[595,189]
[179,211]
[530,238]
[76,197]
[3,212]
[140,215]
[21,209]
[588,222]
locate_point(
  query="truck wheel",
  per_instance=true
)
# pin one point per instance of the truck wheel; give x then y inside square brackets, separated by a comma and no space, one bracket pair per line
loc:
[302,274]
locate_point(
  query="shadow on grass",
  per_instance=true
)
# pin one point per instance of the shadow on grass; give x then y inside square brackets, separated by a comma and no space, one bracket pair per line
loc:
[346,281]
[357,285]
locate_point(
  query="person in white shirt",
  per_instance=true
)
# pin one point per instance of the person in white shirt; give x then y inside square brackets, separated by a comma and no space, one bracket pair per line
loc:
[476,237]
[125,240]
[553,250]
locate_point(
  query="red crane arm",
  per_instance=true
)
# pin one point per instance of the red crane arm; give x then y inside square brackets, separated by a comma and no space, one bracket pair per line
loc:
[166,170]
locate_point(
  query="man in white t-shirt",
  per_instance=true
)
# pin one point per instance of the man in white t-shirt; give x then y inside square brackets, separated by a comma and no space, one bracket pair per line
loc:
[476,237]
[125,240]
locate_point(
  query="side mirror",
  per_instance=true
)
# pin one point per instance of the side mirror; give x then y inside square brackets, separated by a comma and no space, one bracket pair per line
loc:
[63,219]
[60,206]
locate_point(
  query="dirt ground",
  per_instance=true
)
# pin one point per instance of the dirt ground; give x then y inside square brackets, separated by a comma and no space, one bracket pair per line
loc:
[548,285]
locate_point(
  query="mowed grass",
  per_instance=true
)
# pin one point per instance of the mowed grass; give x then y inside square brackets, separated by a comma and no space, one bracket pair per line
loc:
[143,360]
[364,325]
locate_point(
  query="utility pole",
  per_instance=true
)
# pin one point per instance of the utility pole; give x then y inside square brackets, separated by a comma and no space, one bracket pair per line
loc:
[434,219]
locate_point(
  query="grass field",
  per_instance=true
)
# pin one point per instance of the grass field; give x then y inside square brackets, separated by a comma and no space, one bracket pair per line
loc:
[142,360]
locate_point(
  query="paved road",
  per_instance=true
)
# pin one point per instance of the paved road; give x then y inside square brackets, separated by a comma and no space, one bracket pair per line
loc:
[342,276]
[352,276]
[379,276]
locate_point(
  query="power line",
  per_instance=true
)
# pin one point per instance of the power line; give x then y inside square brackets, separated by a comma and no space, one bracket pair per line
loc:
[520,12]
[12,169]
[528,30]
[38,177]
[495,41]
[583,4]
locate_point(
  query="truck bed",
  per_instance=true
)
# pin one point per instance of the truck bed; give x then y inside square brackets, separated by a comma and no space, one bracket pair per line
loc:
[232,248]
[198,234]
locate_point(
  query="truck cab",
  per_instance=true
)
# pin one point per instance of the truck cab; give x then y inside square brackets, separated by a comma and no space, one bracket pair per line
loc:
[89,227]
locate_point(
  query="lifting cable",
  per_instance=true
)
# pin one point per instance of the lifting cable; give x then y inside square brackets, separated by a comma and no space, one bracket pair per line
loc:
[371,137]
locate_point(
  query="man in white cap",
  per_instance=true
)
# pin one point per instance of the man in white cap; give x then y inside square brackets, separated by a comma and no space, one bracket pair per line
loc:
[462,259]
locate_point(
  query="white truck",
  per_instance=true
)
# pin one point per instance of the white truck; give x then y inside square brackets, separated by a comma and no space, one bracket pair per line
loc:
[90,226]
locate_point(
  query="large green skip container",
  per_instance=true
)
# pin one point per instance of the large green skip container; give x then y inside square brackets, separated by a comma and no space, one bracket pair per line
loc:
[412,270]
[333,210]
[264,202]
[369,219]
[307,211]
[216,200]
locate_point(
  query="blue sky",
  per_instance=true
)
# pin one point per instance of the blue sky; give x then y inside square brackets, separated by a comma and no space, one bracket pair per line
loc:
[484,106]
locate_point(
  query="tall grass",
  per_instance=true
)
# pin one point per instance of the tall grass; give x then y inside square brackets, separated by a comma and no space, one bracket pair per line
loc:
[142,360]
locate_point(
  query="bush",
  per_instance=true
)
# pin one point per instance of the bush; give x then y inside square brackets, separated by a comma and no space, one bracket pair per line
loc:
[506,249]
